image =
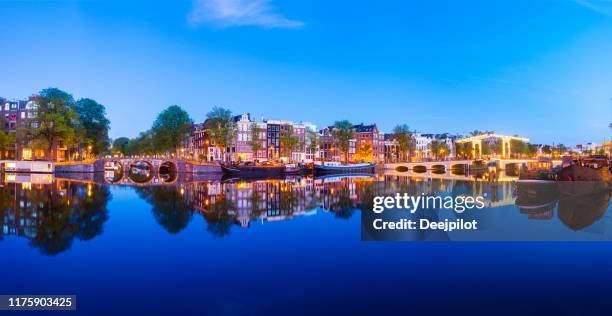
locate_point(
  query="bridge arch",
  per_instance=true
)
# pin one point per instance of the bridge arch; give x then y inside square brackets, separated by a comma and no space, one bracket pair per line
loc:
[419,169]
[438,169]
[402,169]
[141,171]
[113,171]
[168,171]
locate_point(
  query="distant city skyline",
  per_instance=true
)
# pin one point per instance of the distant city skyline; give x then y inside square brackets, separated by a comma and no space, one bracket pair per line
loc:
[540,70]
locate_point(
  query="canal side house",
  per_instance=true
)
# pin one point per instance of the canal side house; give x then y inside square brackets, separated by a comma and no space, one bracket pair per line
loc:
[202,147]
[392,150]
[370,143]
[367,145]
[18,112]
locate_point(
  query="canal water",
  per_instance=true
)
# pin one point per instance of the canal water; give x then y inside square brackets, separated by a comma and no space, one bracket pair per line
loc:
[292,246]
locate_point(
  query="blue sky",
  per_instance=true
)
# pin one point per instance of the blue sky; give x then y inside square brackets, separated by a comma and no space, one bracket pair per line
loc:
[541,69]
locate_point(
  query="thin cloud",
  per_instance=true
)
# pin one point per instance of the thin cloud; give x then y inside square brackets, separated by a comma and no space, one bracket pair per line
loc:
[229,13]
[599,6]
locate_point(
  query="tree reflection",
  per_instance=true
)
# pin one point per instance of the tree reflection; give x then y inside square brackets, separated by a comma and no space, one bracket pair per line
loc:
[52,216]
[218,218]
[170,209]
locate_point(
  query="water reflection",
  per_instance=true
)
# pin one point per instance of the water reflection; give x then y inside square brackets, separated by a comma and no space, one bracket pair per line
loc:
[579,204]
[52,216]
[52,213]
[170,210]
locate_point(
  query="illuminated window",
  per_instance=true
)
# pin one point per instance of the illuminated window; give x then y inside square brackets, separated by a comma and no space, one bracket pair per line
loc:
[27,154]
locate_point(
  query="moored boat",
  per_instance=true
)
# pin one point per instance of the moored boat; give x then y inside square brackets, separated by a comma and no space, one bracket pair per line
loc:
[345,169]
[294,169]
[542,169]
[592,168]
[253,170]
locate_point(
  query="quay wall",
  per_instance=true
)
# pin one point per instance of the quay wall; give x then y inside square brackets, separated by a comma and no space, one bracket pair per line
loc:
[193,167]
[80,167]
[98,166]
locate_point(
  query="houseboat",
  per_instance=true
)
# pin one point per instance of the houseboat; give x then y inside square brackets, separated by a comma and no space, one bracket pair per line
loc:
[328,168]
[294,169]
[253,170]
[542,169]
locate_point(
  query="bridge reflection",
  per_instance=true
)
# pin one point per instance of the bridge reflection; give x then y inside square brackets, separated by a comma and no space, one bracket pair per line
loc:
[53,213]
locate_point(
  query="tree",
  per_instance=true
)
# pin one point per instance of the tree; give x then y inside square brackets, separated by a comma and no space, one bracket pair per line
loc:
[53,121]
[364,152]
[532,150]
[120,144]
[312,140]
[403,136]
[94,125]
[256,140]
[222,128]
[476,132]
[464,150]
[143,144]
[518,147]
[7,143]
[342,133]
[171,129]
[486,148]
[439,149]
[288,141]
[7,140]
[561,149]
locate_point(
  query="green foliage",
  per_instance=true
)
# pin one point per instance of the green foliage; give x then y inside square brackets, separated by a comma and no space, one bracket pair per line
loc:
[518,147]
[532,150]
[54,120]
[312,138]
[222,127]
[171,128]
[7,139]
[403,136]
[342,133]
[93,127]
[464,150]
[143,144]
[256,140]
[288,141]
[120,144]
[439,148]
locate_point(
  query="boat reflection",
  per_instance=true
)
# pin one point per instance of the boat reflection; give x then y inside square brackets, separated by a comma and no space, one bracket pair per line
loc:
[53,213]
[578,204]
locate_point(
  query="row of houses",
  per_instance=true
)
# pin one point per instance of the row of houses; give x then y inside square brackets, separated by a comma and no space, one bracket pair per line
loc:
[15,113]
[369,144]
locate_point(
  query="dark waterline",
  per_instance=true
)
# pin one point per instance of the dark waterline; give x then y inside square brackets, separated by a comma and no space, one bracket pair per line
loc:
[293,248]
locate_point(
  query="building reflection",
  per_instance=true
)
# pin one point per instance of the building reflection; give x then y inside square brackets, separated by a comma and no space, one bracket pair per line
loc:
[243,202]
[52,215]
